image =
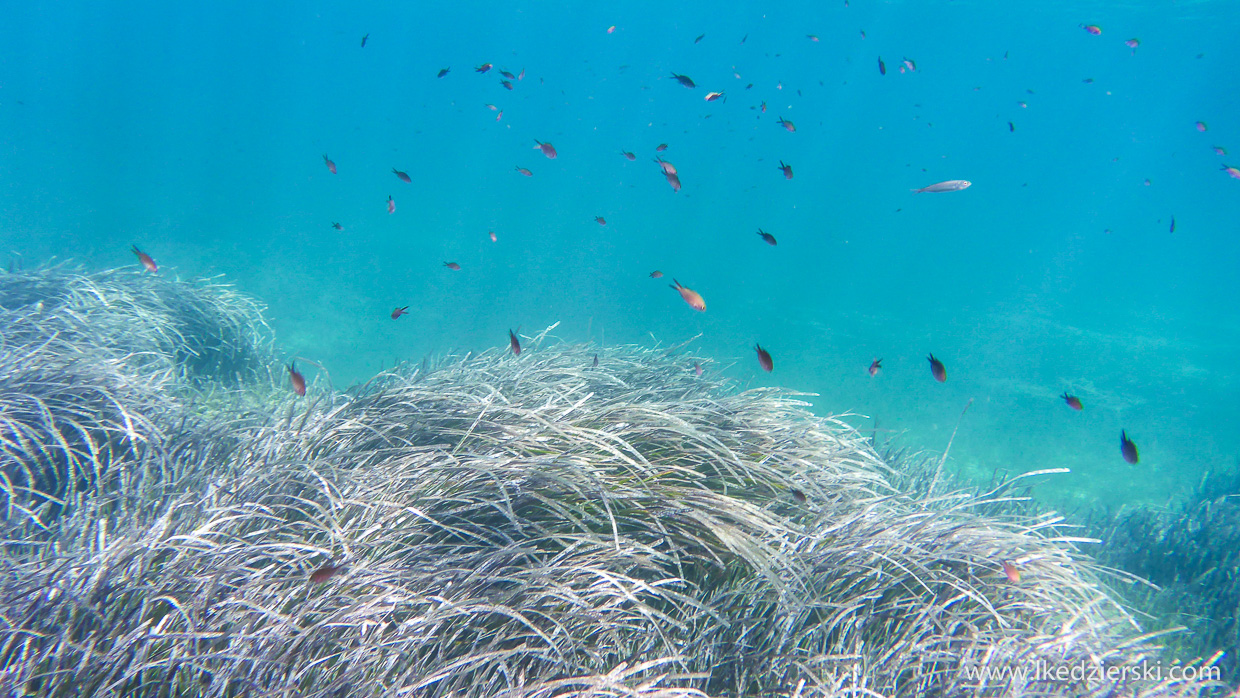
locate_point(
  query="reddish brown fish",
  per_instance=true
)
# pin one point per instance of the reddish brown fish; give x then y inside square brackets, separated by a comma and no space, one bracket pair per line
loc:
[404,176]
[452,265]
[764,358]
[628,155]
[330,165]
[400,311]
[298,380]
[506,84]
[145,259]
[673,180]
[1012,572]
[1073,401]
[876,367]
[937,369]
[507,75]
[788,125]
[391,204]
[786,169]
[660,148]
[337,226]
[667,167]
[693,298]
[600,220]
[483,68]
[798,495]
[546,148]
[514,343]
[525,172]
[697,369]
[656,274]
[325,573]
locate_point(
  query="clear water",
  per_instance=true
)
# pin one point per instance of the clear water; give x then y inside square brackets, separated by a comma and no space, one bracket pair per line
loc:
[196,131]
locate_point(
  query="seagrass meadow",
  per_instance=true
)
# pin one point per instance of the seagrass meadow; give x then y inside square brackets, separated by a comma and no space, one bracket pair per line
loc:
[176,522]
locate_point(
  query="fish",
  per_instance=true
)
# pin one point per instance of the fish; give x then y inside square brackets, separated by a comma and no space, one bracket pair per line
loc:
[766,237]
[396,313]
[452,265]
[1147,182]
[145,259]
[697,369]
[514,343]
[492,107]
[595,361]
[667,167]
[1133,44]
[1232,172]
[1092,29]
[788,125]
[1127,448]
[1011,127]
[743,38]
[949,185]
[1201,126]
[1172,224]
[506,84]
[391,204]
[337,226]
[295,377]
[693,298]
[763,107]
[499,115]
[786,169]
[611,29]
[364,38]
[684,80]
[546,148]
[443,72]
[660,147]
[507,75]
[1012,572]
[628,155]
[937,369]
[882,67]
[483,68]
[811,37]
[656,274]
[521,75]
[875,367]
[493,236]
[600,220]
[1088,81]
[525,172]
[908,63]
[1220,150]
[673,180]
[403,176]
[700,37]
[862,33]
[764,358]
[799,496]
[1073,401]
[325,573]
[331,166]
[712,96]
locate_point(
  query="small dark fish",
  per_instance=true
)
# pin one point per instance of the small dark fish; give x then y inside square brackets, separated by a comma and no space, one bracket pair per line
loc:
[628,155]
[937,369]
[763,107]
[600,220]
[514,343]
[700,37]
[483,68]
[862,33]
[673,180]
[798,495]
[364,38]
[443,72]
[766,237]
[811,37]
[337,226]
[764,358]
[325,573]
[506,84]
[546,148]
[1127,448]
[660,147]
[403,176]
[786,169]
[875,367]
[391,204]
[400,311]
[1201,126]
[1173,224]
[788,125]
[744,37]
[882,67]
[656,274]
[1073,401]
[145,259]
[295,377]
[525,172]
[1088,81]
[507,75]
[684,80]
[452,265]
[596,360]
[330,165]
[1011,127]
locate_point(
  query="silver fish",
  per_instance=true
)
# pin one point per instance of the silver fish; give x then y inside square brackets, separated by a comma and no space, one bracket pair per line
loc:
[949,185]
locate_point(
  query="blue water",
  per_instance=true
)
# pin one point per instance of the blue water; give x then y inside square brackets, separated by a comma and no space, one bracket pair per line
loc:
[196,131]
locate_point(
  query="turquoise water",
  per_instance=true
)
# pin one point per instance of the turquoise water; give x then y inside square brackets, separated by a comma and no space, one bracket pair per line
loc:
[197,132]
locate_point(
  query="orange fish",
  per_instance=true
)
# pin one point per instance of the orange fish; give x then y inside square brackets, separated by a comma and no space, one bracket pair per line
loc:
[786,169]
[298,380]
[492,236]
[1012,572]
[330,165]
[391,204]
[146,260]
[937,369]
[325,573]
[514,343]
[452,265]
[546,148]
[400,311]
[764,358]
[404,177]
[693,298]
[656,274]
[876,367]
[1092,29]
[483,68]
[600,220]
[1073,401]
[525,172]
[788,125]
